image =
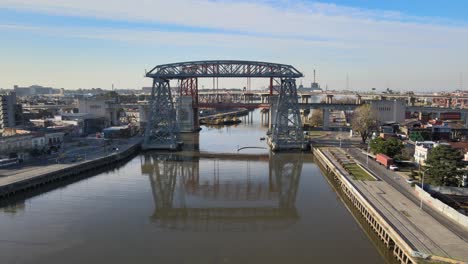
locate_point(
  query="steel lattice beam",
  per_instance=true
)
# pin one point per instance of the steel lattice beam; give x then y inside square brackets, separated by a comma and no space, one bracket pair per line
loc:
[162,131]
[224,68]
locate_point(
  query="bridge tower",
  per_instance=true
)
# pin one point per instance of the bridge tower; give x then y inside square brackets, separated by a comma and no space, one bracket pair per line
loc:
[286,131]
[187,107]
[162,130]
[286,171]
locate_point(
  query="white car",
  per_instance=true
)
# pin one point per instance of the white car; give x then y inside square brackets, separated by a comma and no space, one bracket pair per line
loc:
[410,181]
[393,167]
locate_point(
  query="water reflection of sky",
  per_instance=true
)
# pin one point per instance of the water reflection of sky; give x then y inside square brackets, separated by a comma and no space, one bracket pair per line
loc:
[228,139]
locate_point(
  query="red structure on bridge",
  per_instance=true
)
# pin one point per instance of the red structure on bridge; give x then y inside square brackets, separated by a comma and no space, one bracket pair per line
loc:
[163,128]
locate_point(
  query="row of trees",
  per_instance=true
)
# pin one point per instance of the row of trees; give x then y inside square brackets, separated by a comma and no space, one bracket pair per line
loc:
[444,165]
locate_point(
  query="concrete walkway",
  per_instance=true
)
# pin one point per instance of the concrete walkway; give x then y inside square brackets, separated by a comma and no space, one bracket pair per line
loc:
[28,172]
[420,229]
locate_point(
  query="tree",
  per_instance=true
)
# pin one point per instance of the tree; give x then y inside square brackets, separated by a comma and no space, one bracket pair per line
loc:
[317,118]
[364,121]
[442,165]
[390,147]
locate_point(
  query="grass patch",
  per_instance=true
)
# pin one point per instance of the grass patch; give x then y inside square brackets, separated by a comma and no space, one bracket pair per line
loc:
[358,173]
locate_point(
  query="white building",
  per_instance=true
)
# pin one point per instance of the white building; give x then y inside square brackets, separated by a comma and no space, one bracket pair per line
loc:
[422,150]
[100,107]
[18,145]
[389,110]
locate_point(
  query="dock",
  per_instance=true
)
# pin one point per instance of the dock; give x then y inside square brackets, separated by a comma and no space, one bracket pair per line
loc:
[410,234]
[17,181]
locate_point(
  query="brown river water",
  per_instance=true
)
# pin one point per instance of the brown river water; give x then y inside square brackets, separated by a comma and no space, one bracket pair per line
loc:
[212,205]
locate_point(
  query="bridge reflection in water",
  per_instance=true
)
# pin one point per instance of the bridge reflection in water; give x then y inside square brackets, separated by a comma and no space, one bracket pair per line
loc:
[191,194]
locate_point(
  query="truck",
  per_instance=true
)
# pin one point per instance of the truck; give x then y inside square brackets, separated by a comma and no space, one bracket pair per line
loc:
[384,160]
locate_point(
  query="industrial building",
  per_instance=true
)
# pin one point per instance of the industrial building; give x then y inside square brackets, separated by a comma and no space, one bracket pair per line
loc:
[389,110]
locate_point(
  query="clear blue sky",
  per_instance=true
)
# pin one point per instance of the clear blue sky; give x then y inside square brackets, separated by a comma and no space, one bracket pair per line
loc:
[404,45]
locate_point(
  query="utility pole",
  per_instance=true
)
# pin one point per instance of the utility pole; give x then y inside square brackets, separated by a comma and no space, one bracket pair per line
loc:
[347,82]
[461,82]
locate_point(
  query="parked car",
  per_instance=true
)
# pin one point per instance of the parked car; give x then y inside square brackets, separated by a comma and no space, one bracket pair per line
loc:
[393,167]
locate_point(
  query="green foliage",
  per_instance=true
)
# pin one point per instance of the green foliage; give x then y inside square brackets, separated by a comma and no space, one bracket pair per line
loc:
[420,135]
[443,163]
[405,154]
[390,147]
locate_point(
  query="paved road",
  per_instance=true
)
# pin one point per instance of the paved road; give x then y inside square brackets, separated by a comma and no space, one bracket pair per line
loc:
[422,231]
[399,183]
[42,165]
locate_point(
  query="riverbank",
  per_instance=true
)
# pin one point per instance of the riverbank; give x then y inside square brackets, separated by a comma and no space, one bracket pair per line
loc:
[30,178]
[238,112]
[399,223]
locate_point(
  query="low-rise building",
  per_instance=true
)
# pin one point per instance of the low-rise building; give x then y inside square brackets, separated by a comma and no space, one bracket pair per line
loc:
[100,107]
[422,150]
[85,123]
[389,110]
[16,146]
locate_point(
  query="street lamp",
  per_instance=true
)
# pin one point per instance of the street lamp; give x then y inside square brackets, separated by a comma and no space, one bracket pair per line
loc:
[367,155]
[422,186]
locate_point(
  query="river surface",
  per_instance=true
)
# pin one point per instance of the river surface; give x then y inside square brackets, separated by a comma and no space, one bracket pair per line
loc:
[215,205]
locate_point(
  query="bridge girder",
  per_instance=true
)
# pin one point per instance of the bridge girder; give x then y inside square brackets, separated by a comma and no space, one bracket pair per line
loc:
[162,130]
[224,69]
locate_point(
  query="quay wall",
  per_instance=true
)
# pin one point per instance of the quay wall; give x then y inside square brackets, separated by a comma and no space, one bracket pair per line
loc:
[41,180]
[391,238]
[239,112]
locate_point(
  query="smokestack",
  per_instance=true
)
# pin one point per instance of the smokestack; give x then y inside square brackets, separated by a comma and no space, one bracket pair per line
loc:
[314,76]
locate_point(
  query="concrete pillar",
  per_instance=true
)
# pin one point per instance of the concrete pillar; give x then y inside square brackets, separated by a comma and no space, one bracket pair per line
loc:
[326,119]
[272,112]
[185,115]
[358,99]
[449,102]
[329,99]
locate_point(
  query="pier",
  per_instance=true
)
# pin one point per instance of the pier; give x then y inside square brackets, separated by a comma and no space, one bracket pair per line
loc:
[408,233]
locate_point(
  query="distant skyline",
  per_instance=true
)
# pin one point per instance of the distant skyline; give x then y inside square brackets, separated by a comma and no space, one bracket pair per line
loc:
[404,45]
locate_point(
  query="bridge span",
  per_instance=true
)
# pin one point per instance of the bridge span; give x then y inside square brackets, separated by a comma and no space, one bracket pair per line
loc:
[166,122]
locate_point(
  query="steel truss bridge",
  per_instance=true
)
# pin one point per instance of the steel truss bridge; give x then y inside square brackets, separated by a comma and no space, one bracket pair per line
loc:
[162,131]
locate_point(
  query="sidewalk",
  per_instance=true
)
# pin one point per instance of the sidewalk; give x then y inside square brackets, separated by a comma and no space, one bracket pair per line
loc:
[422,231]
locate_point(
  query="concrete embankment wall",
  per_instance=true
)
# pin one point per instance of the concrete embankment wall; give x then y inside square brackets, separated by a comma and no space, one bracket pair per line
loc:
[65,173]
[448,190]
[239,112]
[394,242]
[442,207]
